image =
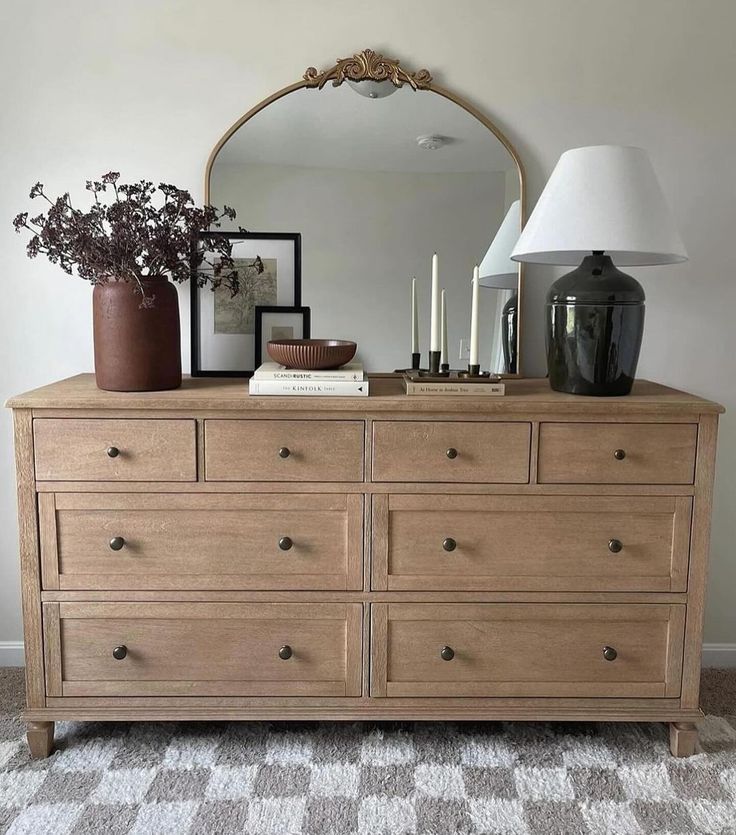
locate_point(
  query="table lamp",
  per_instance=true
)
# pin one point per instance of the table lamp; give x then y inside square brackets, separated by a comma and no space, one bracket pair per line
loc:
[602,206]
[499,272]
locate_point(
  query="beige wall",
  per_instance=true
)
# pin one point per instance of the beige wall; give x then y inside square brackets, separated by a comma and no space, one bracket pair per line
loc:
[146,87]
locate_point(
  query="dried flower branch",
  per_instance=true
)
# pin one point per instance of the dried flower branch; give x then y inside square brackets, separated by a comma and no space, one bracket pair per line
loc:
[140,232]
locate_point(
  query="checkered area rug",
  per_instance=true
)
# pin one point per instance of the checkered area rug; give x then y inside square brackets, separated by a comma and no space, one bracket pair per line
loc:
[336,779]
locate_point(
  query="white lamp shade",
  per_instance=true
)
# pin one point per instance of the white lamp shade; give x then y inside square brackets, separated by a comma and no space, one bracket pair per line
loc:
[607,198]
[497,269]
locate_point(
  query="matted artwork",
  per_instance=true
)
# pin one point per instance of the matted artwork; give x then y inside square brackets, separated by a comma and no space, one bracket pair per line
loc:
[268,265]
[236,314]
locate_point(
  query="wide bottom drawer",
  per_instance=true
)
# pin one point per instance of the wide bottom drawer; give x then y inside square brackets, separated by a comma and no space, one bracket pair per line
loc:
[527,649]
[203,649]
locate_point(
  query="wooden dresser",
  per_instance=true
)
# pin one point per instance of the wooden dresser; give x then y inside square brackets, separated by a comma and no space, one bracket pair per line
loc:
[199,554]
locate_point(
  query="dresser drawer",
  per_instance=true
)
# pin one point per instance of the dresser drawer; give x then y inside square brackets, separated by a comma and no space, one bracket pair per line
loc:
[79,449]
[224,541]
[617,453]
[530,543]
[451,451]
[284,450]
[527,649]
[203,649]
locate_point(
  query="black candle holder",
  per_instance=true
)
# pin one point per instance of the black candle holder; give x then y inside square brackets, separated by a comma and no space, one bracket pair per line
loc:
[445,367]
[431,375]
[474,373]
[416,366]
[452,375]
[434,362]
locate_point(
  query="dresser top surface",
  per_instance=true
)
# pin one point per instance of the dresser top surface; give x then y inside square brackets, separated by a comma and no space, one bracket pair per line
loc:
[387,395]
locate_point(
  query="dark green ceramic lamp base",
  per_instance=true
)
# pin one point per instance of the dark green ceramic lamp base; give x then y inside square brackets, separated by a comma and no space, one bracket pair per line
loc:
[595,318]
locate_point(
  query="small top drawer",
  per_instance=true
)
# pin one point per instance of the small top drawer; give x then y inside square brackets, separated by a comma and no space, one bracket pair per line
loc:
[617,453]
[76,449]
[284,450]
[451,451]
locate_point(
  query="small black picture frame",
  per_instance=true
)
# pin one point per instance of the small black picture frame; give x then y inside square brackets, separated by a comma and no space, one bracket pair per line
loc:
[264,311]
[233,354]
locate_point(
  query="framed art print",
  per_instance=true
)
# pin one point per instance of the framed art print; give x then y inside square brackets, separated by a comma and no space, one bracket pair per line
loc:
[279,323]
[223,326]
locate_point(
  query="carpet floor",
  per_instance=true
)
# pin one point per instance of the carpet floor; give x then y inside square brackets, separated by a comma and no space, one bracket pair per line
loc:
[369,778]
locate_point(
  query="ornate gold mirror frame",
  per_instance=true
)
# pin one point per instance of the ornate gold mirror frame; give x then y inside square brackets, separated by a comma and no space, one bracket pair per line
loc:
[372,66]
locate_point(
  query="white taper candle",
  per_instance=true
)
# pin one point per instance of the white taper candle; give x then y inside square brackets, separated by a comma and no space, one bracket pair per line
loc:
[443,323]
[414,318]
[474,317]
[434,337]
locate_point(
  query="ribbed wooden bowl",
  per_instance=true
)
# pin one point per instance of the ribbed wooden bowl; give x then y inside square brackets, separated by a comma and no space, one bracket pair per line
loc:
[311,354]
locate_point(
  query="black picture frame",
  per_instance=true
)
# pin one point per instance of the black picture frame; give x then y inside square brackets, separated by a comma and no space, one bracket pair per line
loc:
[306,315]
[195,332]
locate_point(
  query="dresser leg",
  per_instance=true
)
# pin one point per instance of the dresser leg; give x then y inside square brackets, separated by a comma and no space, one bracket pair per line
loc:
[683,739]
[40,737]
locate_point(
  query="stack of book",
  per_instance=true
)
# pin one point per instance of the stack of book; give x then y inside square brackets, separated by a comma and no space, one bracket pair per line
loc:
[274,379]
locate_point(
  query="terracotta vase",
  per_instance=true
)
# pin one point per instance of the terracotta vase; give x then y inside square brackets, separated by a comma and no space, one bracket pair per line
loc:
[136,348]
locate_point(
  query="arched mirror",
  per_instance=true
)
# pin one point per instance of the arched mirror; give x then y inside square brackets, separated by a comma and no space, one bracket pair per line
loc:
[376,168]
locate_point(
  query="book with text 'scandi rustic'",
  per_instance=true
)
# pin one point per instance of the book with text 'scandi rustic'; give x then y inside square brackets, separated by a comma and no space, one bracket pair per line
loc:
[352,372]
[309,388]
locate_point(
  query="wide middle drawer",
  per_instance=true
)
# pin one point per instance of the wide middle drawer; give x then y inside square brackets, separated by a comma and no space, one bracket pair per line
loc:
[203,649]
[530,543]
[216,541]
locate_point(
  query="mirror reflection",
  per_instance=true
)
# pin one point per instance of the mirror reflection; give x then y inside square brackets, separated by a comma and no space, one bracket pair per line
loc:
[376,179]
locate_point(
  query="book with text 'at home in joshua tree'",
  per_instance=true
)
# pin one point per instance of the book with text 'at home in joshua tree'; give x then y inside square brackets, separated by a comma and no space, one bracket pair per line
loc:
[454,388]
[309,388]
[352,372]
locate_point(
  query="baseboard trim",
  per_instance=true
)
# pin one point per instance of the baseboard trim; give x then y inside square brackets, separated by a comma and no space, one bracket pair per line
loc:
[719,655]
[11,654]
[714,655]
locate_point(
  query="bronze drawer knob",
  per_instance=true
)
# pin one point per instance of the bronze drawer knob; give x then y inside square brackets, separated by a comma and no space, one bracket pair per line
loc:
[117,543]
[113,451]
[451,453]
[609,653]
[619,454]
[285,652]
[615,545]
[447,653]
[284,452]
[120,652]
[285,543]
[449,544]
